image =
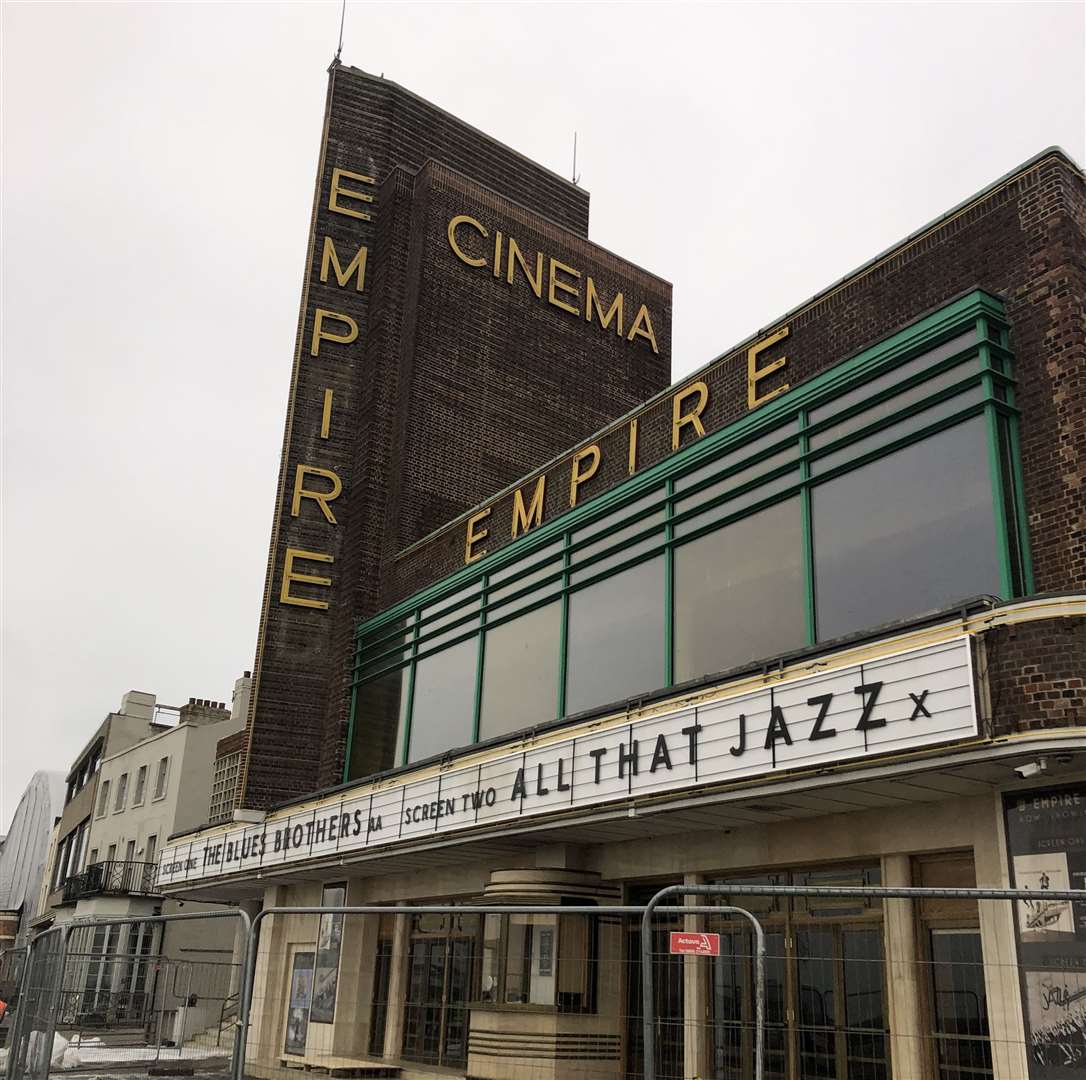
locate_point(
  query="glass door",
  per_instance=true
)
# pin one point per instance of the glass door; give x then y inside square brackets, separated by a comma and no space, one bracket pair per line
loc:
[734,1007]
[439,987]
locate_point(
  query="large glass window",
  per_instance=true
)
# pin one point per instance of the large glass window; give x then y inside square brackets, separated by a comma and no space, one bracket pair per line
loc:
[443,701]
[616,637]
[740,592]
[520,672]
[884,488]
[907,533]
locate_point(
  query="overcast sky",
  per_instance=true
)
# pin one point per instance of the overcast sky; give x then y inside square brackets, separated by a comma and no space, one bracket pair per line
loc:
[158,164]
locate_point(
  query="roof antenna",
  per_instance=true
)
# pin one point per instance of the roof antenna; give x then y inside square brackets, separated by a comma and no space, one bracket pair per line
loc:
[342,17]
[576,175]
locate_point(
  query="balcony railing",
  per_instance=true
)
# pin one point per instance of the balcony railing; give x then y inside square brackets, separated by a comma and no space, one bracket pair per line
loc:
[112,879]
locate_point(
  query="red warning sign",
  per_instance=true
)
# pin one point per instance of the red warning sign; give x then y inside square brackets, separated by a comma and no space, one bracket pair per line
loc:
[697,944]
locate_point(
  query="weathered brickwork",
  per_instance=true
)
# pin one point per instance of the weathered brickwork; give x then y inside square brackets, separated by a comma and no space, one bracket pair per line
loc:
[458,383]
[1037,675]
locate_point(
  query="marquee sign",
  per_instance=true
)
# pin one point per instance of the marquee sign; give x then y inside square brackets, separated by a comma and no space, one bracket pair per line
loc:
[902,702]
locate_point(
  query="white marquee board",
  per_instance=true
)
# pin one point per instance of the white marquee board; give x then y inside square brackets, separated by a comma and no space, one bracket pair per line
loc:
[912,699]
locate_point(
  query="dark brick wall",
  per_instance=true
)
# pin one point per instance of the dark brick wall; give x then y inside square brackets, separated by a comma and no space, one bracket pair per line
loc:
[230,744]
[455,385]
[1037,675]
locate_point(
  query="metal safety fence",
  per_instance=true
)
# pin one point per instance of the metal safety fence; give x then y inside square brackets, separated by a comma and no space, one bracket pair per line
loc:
[736,980]
[128,992]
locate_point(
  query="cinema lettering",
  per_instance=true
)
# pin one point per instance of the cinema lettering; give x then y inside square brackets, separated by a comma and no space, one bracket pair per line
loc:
[902,702]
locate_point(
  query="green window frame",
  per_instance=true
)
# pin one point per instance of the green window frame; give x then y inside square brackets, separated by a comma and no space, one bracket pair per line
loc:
[948,367]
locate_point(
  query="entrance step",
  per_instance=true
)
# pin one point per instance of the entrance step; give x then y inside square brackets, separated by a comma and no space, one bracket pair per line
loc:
[343,1068]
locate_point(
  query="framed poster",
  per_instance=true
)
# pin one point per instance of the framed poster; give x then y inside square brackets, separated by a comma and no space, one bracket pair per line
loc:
[329,945]
[301,996]
[1046,846]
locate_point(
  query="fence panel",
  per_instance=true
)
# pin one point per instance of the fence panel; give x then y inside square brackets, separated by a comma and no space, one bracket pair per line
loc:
[115,993]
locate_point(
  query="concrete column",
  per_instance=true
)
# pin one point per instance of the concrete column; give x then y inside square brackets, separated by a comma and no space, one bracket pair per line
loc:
[999,944]
[237,958]
[908,1029]
[697,1053]
[270,987]
[354,995]
[397,986]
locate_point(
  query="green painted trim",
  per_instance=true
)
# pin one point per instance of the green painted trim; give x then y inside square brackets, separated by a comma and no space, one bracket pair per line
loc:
[669,587]
[410,706]
[480,663]
[809,598]
[995,465]
[350,731]
[563,633]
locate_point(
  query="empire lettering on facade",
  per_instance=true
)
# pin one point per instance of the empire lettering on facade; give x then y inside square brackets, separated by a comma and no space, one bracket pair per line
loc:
[918,698]
[689,416]
[347,196]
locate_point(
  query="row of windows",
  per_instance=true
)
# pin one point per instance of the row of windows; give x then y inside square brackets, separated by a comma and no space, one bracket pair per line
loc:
[880,497]
[120,797]
[74,855]
[83,772]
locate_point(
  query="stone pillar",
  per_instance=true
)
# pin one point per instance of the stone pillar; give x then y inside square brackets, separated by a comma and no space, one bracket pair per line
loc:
[999,945]
[397,986]
[908,1030]
[697,971]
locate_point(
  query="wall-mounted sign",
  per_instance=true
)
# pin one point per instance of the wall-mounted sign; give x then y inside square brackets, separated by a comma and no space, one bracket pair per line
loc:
[694,944]
[892,705]
[1046,844]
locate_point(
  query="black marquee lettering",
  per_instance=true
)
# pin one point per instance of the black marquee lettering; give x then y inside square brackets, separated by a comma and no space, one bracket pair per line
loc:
[598,755]
[561,785]
[518,786]
[660,755]
[625,758]
[539,788]
[691,733]
[741,749]
[870,693]
[778,729]
[823,702]
[920,710]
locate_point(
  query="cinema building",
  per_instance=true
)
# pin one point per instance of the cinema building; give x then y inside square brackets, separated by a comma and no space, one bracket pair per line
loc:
[540,627]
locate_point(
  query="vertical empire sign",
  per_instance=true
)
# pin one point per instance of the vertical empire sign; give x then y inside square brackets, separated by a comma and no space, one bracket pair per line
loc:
[295,633]
[1046,844]
[332,331]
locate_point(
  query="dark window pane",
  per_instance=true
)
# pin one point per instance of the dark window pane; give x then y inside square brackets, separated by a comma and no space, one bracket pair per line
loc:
[616,637]
[443,700]
[739,592]
[378,723]
[520,672]
[908,533]
[960,1004]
